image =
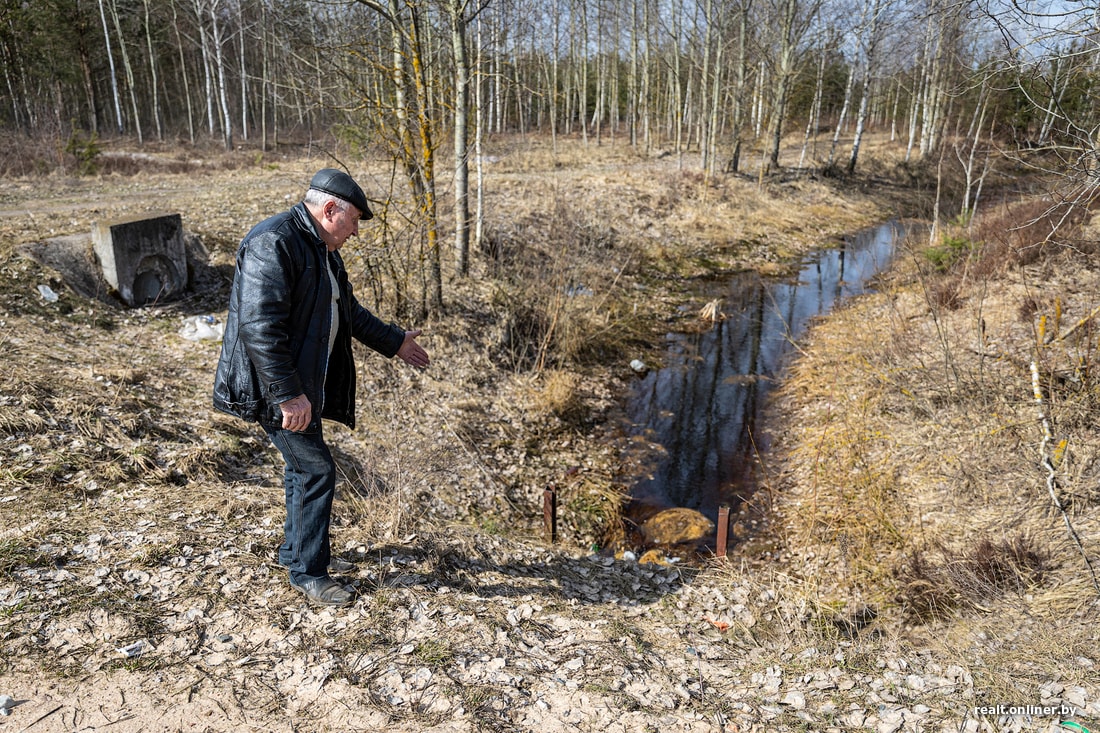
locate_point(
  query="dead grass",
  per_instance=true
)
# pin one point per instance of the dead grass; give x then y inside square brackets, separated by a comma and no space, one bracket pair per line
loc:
[911,473]
[934,584]
[559,396]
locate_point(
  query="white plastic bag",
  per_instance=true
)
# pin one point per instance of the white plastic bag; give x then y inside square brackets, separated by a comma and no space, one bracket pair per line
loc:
[202,328]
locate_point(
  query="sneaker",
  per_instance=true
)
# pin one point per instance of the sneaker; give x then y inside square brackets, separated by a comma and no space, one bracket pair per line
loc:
[325,591]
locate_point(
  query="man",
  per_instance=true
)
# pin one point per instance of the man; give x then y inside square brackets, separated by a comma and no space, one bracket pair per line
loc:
[286,360]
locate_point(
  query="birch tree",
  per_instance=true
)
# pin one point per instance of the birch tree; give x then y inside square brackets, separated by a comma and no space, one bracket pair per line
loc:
[217,30]
[155,87]
[741,12]
[795,17]
[128,68]
[1052,57]
[111,67]
[183,72]
[457,11]
[870,41]
[415,127]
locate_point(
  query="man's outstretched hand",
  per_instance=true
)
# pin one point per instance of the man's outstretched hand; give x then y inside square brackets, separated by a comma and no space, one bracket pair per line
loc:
[411,352]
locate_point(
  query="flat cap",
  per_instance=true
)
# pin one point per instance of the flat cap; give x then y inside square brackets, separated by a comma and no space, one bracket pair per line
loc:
[343,186]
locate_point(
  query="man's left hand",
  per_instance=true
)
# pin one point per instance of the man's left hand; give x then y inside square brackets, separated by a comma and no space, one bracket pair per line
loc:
[411,352]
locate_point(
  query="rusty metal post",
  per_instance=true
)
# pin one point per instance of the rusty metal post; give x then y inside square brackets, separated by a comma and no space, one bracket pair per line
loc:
[723,530]
[550,512]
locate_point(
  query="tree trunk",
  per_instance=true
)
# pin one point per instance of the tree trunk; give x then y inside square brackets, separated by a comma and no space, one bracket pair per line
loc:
[457,9]
[416,150]
[815,109]
[716,92]
[427,152]
[842,118]
[89,89]
[129,69]
[111,67]
[861,118]
[741,69]
[582,90]
[244,71]
[676,83]
[869,65]
[183,74]
[153,72]
[785,72]
[479,157]
[207,64]
[709,22]
[264,75]
[219,57]
[635,85]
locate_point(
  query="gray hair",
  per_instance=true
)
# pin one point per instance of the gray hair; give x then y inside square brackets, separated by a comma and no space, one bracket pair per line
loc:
[316,197]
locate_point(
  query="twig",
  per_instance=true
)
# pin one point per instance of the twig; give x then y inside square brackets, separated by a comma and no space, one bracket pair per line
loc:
[1047,463]
[476,457]
[42,717]
[1062,337]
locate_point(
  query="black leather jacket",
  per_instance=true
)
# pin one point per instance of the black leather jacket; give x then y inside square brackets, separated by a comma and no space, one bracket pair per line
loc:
[275,345]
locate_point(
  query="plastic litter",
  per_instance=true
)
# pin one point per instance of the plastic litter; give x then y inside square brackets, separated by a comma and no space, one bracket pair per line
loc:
[578,290]
[6,704]
[47,293]
[202,328]
[136,649]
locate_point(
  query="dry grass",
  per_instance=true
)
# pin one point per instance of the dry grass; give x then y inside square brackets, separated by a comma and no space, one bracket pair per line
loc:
[934,587]
[912,472]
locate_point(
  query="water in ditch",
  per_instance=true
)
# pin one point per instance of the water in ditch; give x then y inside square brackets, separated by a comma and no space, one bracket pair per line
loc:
[696,426]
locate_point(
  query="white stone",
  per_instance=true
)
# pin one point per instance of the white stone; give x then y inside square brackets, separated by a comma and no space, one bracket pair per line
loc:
[794,699]
[890,722]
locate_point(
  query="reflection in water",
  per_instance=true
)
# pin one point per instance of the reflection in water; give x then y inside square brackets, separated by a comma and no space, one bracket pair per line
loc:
[694,422]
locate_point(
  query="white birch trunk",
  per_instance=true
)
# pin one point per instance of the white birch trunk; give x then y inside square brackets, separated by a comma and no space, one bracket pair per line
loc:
[111,66]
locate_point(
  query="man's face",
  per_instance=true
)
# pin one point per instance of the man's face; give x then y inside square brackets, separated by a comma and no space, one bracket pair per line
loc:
[339,223]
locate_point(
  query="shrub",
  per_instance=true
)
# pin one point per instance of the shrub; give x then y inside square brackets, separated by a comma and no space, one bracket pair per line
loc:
[931,589]
[85,151]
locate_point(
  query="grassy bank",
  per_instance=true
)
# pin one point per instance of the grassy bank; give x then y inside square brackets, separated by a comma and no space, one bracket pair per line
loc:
[938,472]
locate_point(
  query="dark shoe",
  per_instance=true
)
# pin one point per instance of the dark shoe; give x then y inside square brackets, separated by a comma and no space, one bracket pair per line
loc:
[325,591]
[340,565]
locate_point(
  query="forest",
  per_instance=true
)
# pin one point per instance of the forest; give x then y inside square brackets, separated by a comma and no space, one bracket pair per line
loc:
[753,86]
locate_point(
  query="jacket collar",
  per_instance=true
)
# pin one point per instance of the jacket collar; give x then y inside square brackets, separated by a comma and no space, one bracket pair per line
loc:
[306,222]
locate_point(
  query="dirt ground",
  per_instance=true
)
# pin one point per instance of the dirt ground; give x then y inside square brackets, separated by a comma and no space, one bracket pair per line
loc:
[914,572]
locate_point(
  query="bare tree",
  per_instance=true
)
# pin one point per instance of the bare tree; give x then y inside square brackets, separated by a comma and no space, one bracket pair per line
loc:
[742,10]
[869,43]
[128,68]
[415,127]
[114,74]
[1050,54]
[217,30]
[460,15]
[795,17]
[154,86]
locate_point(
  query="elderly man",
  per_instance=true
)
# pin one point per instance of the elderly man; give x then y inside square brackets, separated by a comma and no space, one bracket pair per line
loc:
[286,360]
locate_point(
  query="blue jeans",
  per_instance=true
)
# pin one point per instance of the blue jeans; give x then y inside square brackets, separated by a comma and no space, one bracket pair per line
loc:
[310,482]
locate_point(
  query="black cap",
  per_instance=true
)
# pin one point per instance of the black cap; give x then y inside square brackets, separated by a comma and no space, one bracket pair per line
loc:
[342,186]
